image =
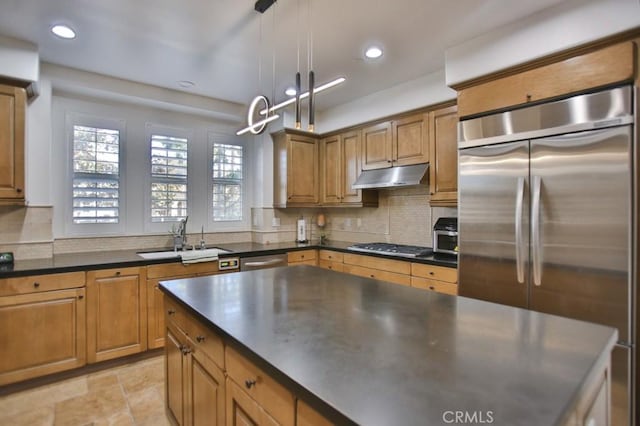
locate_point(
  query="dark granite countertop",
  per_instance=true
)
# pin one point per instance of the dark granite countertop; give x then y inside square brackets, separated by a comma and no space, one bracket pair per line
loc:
[123,258]
[374,353]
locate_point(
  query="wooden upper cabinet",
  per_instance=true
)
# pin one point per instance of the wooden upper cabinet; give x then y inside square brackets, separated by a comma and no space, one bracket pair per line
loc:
[443,171]
[399,142]
[13,102]
[350,170]
[376,146]
[296,170]
[331,169]
[340,164]
[600,68]
[410,140]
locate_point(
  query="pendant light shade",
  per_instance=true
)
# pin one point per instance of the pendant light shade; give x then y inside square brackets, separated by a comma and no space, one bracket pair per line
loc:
[311,104]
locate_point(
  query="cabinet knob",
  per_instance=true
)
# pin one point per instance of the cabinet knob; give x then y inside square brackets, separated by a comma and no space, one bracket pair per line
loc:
[528,97]
[185,350]
[431,287]
[80,297]
[118,273]
[200,339]
[18,190]
[430,272]
[289,197]
[249,383]
[372,276]
[302,256]
[171,311]
[36,284]
[388,161]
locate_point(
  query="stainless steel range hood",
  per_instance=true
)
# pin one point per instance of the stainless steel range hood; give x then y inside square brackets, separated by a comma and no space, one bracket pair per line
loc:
[392,177]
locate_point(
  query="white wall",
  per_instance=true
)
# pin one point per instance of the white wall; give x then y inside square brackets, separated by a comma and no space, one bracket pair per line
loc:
[38,147]
[428,90]
[559,28]
[20,59]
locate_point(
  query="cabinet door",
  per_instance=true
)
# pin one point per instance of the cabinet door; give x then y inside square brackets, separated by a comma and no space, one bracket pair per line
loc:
[302,170]
[350,155]
[174,375]
[331,168]
[41,333]
[443,172]
[117,313]
[242,410]
[12,134]
[376,146]
[410,140]
[206,399]
[155,315]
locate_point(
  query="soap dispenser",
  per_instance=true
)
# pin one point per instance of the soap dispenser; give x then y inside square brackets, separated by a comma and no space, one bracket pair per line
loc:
[301,231]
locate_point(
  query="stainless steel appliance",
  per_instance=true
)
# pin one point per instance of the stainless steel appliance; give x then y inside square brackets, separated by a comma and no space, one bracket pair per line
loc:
[263,262]
[445,235]
[547,215]
[392,249]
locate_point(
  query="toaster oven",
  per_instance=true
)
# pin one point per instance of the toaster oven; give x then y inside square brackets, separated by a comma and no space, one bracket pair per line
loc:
[445,236]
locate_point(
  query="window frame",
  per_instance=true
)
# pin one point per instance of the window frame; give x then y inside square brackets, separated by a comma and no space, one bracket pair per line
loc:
[73,119]
[176,132]
[247,166]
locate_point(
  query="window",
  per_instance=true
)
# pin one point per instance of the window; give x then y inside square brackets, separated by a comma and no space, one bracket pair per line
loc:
[96,175]
[228,161]
[168,178]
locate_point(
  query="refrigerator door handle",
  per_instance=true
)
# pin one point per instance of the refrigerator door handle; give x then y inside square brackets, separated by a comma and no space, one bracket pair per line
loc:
[519,239]
[535,230]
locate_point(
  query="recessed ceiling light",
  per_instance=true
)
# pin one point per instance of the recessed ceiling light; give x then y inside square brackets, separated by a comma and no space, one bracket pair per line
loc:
[373,52]
[63,31]
[291,91]
[186,84]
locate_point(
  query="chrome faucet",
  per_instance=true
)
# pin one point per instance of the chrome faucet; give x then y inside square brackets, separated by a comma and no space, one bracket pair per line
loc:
[180,236]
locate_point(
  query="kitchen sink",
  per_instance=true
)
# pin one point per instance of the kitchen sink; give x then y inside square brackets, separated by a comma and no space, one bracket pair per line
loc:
[187,254]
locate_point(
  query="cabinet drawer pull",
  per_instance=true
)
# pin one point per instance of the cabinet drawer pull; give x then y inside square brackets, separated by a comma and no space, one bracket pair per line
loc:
[18,190]
[118,273]
[372,276]
[249,383]
[431,287]
[431,273]
[200,339]
[302,256]
[80,297]
[36,284]
[171,311]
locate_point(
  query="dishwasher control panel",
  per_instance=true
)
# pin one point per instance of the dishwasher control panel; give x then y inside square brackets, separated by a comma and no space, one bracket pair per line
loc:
[228,263]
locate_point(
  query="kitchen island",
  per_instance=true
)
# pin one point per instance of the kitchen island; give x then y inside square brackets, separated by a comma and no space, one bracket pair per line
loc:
[302,339]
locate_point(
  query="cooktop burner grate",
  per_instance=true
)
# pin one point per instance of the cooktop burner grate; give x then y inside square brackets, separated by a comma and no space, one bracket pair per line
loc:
[392,249]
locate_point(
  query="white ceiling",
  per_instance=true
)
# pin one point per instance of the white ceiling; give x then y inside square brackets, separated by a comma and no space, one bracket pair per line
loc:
[215,43]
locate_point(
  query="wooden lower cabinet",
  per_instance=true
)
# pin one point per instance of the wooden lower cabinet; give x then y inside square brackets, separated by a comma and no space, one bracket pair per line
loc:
[155,305]
[41,333]
[244,411]
[307,416]
[302,257]
[435,278]
[195,386]
[116,313]
[377,274]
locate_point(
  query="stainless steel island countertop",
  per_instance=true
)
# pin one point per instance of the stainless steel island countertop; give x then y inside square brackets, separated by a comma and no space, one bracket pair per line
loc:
[374,353]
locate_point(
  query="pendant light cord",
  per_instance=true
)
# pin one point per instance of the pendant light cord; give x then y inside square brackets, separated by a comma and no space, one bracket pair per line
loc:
[273,59]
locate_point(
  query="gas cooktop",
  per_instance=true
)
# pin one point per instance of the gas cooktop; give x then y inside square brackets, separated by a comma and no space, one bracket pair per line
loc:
[392,249]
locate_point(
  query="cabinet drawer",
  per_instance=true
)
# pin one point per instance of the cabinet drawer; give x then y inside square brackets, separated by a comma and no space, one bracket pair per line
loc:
[273,397]
[334,266]
[397,266]
[174,314]
[433,272]
[301,256]
[377,274]
[205,340]
[117,272]
[179,270]
[38,283]
[334,256]
[311,262]
[434,285]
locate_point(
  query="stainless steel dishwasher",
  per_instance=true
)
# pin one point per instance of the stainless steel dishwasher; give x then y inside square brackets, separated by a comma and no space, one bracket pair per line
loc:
[263,262]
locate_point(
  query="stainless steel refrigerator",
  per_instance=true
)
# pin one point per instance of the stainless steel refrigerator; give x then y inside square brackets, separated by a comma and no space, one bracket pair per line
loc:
[547,216]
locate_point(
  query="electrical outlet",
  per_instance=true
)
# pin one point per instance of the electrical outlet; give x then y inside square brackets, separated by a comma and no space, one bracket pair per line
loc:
[275,222]
[347,223]
[358,223]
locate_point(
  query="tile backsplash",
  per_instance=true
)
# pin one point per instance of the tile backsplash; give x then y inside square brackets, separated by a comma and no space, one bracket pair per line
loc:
[403,216]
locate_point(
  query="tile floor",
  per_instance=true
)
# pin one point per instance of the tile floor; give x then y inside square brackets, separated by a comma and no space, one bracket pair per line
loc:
[131,394]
